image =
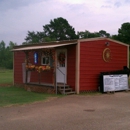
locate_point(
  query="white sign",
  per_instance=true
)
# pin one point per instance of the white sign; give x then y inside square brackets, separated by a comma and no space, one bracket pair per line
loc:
[115,82]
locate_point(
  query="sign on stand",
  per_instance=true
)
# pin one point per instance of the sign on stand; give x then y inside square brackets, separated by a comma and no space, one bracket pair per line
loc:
[115,82]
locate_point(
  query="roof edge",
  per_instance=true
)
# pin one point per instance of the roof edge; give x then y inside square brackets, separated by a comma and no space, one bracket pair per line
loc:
[41,47]
[103,38]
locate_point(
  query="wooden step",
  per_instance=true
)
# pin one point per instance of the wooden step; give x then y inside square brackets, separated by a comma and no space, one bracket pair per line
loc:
[62,85]
[69,93]
[65,88]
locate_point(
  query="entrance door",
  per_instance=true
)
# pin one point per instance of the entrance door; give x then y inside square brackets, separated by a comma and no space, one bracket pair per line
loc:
[61,65]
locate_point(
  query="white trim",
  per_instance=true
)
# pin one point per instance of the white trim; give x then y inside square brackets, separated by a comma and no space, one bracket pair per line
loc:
[77,84]
[41,47]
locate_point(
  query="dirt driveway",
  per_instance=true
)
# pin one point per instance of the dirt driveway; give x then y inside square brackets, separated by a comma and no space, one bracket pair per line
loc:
[99,112]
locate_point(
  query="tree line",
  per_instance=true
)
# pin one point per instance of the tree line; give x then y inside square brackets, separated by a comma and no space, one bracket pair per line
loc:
[6,56]
[59,29]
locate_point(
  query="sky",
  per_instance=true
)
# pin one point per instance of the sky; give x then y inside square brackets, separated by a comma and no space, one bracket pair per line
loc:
[17,17]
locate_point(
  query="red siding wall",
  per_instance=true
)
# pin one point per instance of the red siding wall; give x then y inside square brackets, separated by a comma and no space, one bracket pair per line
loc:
[92,63]
[71,63]
[19,58]
[45,76]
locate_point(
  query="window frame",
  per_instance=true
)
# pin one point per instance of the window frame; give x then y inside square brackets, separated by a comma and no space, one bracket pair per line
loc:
[42,57]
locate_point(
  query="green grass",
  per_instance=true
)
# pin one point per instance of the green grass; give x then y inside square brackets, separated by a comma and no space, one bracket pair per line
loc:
[6,76]
[14,95]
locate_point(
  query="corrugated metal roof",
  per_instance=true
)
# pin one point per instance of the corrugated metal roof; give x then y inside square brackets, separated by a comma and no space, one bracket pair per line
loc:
[41,46]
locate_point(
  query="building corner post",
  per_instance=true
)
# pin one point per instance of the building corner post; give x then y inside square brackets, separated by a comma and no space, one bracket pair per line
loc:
[77,78]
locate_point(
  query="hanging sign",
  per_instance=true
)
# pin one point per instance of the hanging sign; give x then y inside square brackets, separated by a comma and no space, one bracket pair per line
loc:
[35,57]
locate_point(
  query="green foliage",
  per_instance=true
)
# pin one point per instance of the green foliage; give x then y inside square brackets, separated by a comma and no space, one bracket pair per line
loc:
[103,33]
[59,29]
[115,37]
[87,34]
[123,33]
[33,38]
[6,56]
[14,95]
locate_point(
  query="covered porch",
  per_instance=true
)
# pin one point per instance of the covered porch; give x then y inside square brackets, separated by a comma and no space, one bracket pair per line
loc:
[45,67]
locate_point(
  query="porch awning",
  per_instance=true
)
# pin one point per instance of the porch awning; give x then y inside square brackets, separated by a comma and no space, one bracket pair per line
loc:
[41,46]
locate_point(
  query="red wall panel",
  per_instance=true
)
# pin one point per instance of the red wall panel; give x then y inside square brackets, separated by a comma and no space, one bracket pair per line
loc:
[19,58]
[71,65]
[92,63]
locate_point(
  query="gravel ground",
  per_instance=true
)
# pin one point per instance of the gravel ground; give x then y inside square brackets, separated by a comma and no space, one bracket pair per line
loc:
[74,112]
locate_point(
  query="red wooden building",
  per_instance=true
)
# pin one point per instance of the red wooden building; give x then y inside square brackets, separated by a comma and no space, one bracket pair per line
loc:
[77,63]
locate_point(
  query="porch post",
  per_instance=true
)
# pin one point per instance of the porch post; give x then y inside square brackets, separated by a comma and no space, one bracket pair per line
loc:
[26,61]
[13,67]
[54,70]
[77,81]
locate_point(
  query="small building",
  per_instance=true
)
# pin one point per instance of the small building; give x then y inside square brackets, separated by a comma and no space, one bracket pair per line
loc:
[77,63]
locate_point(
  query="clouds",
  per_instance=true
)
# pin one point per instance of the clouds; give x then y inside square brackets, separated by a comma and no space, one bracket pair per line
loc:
[15,4]
[17,17]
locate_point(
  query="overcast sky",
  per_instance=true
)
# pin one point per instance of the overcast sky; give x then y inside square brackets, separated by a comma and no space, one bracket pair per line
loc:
[19,16]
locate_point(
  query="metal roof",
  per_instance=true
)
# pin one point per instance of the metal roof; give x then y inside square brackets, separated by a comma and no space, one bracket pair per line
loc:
[102,38]
[24,48]
[55,44]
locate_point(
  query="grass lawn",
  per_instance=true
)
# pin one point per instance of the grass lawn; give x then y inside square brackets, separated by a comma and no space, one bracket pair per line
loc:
[13,95]
[6,76]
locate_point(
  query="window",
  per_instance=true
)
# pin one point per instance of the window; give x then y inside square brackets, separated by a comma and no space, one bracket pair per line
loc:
[45,60]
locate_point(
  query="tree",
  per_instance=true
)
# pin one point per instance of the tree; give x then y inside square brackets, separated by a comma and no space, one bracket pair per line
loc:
[84,34]
[8,63]
[124,33]
[103,33]
[11,45]
[115,37]
[33,37]
[59,29]
[6,56]
[88,34]
[2,53]
[2,45]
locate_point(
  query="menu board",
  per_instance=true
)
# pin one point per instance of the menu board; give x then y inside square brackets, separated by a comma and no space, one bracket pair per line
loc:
[115,82]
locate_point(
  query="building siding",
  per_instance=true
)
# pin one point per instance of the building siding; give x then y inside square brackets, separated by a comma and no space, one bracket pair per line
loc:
[43,77]
[71,65]
[19,58]
[92,63]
